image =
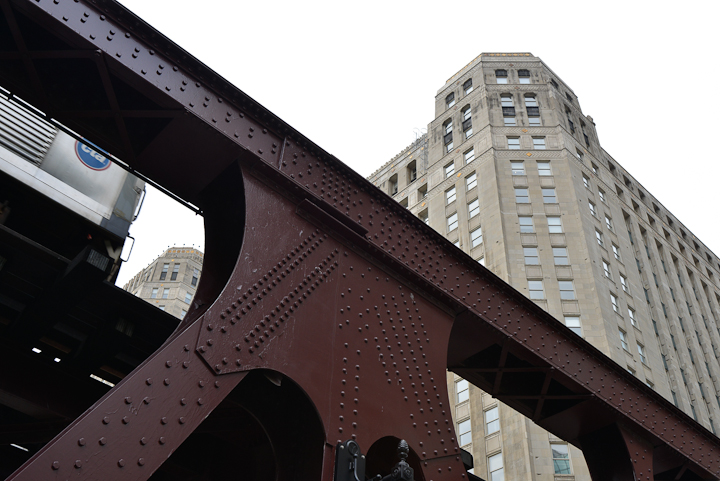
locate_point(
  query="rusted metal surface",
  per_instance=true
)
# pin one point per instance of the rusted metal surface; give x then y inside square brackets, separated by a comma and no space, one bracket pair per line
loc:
[313,277]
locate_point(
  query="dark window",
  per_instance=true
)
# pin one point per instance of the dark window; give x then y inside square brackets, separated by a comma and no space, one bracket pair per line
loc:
[501,73]
[450,100]
[196,274]
[164,272]
[533,111]
[553,83]
[524,76]
[468,86]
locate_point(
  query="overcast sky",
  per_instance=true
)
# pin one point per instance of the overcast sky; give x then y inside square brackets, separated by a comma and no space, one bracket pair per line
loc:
[358,78]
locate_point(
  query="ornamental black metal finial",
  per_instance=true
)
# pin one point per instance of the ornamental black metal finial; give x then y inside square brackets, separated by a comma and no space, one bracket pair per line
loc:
[403,450]
[402,470]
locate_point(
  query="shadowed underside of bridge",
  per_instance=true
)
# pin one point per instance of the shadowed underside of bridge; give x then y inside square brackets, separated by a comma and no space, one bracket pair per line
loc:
[326,311]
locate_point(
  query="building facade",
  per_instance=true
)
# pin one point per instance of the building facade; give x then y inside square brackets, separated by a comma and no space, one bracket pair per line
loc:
[513,173]
[170,281]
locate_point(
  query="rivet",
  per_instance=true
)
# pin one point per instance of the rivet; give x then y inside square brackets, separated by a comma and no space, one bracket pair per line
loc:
[163,420]
[78,464]
[102,441]
[141,462]
[106,420]
[56,465]
[168,364]
[128,400]
[161,440]
[148,381]
[121,463]
[181,420]
[125,420]
[143,441]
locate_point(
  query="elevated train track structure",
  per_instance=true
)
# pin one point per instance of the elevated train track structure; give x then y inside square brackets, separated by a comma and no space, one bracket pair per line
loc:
[326,313]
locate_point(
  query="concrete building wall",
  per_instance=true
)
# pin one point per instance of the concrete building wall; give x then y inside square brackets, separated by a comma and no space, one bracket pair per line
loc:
[602,254]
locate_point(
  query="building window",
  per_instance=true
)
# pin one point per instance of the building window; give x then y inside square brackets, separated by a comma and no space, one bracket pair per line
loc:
[513,143]
[393,185]
[641,351]
[593,212]
[176,270]
[631,315]
[586,181]
[166,293]
[476,237]
[616,251]
[469,156]
[536,290]
[452,222]
[560,255]
[531,256]
[608,223]
[449,169]
[532,109]
[501,76]
[450,195]
[422,192]
[606,269]
[188,297]
[509,121]
[164,272]
[473,208]
[561,458]
[624,284]
[183,312]
[412,171]
[594,168]
[526,225]
[492,421]
[196,275]
[580,156]
[555,225]
[162,308]
[508,109]
[154,293]
[495,468]
[518,167]
[539,143]
[464,432]
[599,237]
[448,139]
[423,216]
[462,390]
[623,340]
[602,196]
[567,291]
[450,100]
[468,86]
[467,122]
[524,76]
[481,261]
[614,301]
[549,196]
[573,322]
[471,181]
[544,169]
[522,196]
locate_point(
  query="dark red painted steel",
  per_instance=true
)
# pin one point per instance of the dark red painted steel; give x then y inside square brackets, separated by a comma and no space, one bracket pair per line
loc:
[336,287]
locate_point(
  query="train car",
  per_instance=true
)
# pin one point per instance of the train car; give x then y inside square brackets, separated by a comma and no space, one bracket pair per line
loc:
[62,193]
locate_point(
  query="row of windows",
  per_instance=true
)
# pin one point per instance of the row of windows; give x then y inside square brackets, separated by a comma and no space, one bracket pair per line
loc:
[522,195]
[513,143]
[560,453]
[501,77]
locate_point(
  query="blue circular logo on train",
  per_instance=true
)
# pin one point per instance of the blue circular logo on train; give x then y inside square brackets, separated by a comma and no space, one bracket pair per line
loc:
[91,157]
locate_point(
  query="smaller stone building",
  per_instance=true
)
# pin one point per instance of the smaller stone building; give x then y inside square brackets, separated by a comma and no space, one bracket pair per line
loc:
[170,281]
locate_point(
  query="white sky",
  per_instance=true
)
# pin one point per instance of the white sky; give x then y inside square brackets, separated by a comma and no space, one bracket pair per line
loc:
[357,78]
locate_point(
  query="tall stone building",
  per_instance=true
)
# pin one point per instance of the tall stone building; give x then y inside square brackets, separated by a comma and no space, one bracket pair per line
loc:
[170,281]
[512,172]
